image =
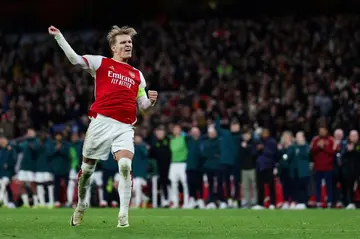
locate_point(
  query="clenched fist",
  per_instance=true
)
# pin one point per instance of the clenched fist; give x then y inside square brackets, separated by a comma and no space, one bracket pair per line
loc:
[152,94]
[54,31]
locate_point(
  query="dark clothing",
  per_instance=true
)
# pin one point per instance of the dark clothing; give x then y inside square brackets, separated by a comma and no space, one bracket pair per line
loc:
[265,158]
[195,181]
[60,158]
[160,151]
[107,185]
[211,154]
[194,159]
[57,185]
[351,167]
[328,177]
[218,192]
[247,160]
[140,161]
[266,176]
[287,185]
[301,190]
[227,147]
[7,162]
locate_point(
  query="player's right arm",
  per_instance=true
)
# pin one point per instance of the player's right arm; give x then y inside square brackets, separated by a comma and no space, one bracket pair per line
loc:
[88,62]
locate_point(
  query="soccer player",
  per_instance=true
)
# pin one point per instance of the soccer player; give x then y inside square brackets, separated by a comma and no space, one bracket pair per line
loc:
[118,88]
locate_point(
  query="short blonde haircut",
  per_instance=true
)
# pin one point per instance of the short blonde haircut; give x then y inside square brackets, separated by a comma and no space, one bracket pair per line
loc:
[116,31]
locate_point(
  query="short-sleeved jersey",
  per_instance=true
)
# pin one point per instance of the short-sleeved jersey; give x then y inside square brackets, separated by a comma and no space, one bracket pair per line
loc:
[117,86]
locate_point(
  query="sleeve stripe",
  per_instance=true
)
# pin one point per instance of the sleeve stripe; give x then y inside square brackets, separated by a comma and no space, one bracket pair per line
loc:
[86,61]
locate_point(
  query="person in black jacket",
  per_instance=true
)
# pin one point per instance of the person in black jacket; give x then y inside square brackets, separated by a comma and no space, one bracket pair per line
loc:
[161,152]
[351,165]
[248,170]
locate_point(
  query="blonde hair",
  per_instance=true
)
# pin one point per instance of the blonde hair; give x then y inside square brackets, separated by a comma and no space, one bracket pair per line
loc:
[116,31]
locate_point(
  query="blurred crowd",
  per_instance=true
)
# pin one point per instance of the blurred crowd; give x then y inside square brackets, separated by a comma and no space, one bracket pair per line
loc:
[264,77]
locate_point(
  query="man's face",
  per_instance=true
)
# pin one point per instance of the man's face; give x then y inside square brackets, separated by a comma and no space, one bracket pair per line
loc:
[323,132]
[122,47]
[31,133]
[212,132]
[265,133]
[195,132]
[160,134]
[58,137]
[74,137]
[354,136]
[235,127]
[338,135]
[177,130]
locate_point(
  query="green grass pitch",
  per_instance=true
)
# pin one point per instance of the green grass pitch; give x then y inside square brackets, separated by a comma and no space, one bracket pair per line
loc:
[168,224]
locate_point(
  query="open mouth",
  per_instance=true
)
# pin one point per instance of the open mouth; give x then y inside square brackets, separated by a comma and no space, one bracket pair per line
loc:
[128,50]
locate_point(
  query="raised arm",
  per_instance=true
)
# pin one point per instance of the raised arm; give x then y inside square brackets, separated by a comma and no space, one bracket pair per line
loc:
[144,102]
[89,63]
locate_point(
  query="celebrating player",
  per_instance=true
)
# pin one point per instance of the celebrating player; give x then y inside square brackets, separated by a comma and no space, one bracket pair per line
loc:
[118,88]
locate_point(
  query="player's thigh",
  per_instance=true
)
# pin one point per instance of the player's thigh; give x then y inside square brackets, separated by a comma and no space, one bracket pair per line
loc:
[123,143]
[97,141]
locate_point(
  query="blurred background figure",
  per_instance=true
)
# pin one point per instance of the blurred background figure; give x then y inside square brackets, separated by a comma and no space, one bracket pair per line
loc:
[323,153]
[248,171]
[299,171]
[7,172]
[29,148]
[194,169]
[60,163]
[265,151]
[161,152]
[75,154]
[177,173]
[351,165]
[139,172]
[211,153]
[338,173]
[287,183]
[43,176]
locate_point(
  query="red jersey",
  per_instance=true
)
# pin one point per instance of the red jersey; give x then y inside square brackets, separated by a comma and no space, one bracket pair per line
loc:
[116,88]
[323,157]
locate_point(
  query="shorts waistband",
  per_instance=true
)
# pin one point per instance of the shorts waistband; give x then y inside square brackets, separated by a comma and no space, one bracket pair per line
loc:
[93,115]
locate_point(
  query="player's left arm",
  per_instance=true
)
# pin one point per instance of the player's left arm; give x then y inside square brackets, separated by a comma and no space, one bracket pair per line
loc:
[145,101]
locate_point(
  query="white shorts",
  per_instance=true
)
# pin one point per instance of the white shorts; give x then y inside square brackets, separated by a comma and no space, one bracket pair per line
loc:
[73,174]
[5,180]
[105,134]
[97,178]
[26,176]
[43,177]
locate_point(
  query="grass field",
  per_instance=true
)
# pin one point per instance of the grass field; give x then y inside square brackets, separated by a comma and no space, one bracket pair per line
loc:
[162,223]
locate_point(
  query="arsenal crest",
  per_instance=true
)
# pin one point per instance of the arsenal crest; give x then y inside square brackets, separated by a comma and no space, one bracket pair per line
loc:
[132,74]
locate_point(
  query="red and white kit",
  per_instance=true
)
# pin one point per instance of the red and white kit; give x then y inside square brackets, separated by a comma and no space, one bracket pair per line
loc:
[119,88]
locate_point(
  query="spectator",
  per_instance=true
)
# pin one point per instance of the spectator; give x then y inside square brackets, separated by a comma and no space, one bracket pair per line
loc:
[160,151]
[248,171]
[75,154]
[265,150]
[227,159]
[211,153]
[338,175]
[352,168]
[43,176]
[60,163]
[284,148]
[110,171]
[27,170]
[179,154]
[7,165]
[322,149]
[194,170]
[139,171]
[299,170]
[236,170]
